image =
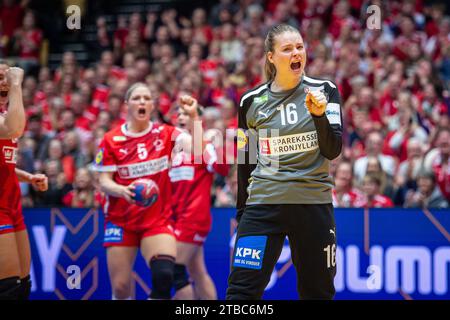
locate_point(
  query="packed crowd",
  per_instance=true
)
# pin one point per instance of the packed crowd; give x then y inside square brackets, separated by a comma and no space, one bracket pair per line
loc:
[394,82]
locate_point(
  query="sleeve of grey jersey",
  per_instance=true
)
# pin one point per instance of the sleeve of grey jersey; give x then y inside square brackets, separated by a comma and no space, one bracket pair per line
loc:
[329,126]
[244,163]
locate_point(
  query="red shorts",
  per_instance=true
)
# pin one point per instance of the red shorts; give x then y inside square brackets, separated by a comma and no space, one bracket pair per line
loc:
[192,236]
[117,236]
[11,221]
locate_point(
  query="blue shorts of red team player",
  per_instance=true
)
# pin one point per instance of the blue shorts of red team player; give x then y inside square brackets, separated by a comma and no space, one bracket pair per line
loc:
[190,235]
[11,221]
[117,236]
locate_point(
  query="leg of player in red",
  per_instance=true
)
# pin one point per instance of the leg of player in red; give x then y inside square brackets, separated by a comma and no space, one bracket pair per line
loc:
[15,256]
[192,178]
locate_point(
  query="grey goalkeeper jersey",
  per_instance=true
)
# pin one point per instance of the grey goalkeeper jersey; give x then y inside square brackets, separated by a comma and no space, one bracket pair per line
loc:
[284,151]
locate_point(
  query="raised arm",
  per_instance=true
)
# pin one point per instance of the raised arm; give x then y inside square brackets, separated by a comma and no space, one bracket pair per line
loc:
[39,181]
[328,121]
[246,160]
[13,123]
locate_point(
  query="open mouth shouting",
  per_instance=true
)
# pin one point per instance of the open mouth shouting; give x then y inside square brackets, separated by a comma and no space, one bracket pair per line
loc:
[142,111]
[3,95]
[296,66]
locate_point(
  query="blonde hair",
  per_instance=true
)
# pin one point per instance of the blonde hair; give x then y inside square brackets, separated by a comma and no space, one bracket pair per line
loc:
[269,69]
[134,87]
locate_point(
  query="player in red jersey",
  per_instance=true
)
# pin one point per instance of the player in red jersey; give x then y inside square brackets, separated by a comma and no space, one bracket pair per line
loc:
[192,177]
[15,256]
[139,149]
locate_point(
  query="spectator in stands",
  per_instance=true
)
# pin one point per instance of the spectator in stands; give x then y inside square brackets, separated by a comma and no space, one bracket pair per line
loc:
[344,195]
[36,132]
[374,144]
[427,195]
[231,49]
[27,42]
[11,16]
[202,31]
[104,41]
[408,170]
[72,148]
[57,186]
[372,197]
[374,168]
[67,163]
[406,127]
[83,194]
[226,196]
[441,162]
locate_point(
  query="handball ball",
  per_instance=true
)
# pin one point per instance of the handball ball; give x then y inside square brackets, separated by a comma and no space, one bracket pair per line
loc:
[147,192]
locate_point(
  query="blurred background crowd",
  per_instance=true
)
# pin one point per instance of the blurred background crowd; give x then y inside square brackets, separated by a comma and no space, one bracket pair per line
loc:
[394,83]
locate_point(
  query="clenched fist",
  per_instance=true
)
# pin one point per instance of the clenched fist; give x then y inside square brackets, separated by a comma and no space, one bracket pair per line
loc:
[14,76]
[316,103]
[190,105]
[39,182]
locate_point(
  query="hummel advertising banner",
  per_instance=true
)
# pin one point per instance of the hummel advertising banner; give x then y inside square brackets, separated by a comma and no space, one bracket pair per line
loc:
[380,254]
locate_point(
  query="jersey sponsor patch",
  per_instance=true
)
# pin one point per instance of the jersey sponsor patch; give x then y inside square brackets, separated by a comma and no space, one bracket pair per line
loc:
[119,138]
[143,169]
[260,100]
[113,233]
[181,174]
[10,154]
[249,252]
[242,140]
[99,157]
[294,143]
[333,113]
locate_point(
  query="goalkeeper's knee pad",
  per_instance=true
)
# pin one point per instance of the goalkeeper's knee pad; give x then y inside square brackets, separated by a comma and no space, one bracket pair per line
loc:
[10,288]
[162,267]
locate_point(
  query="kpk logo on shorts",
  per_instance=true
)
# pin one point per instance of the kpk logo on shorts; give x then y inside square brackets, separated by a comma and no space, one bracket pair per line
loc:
[113,233]
[249,252]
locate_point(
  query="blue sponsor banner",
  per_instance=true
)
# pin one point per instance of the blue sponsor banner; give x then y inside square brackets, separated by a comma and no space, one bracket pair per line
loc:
[381,254]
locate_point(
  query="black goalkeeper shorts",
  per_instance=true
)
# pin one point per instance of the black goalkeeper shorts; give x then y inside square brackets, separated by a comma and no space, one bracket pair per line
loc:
[261,232]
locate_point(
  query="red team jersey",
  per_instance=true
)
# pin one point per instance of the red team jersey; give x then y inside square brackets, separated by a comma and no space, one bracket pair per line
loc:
[191,187]
[131,156]
[378,201]
[11,218]
[350,199]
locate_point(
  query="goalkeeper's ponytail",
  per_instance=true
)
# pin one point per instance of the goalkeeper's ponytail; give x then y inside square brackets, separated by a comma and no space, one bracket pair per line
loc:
[269,69]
